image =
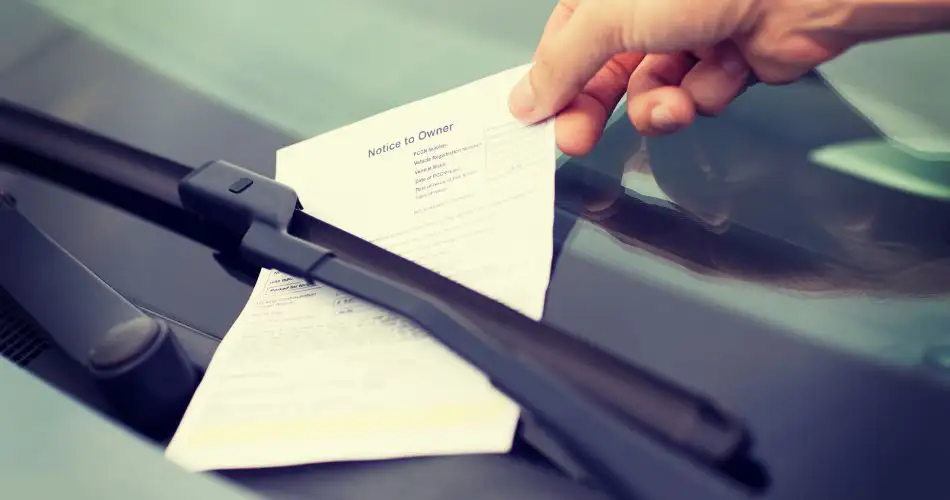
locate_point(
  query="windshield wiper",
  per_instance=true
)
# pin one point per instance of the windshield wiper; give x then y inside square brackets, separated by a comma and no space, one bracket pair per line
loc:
[617,419]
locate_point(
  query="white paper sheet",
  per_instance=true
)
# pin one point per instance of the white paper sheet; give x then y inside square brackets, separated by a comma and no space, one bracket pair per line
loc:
[308,374]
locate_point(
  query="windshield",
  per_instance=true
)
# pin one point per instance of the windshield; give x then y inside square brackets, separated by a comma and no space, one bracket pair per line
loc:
[771,259]
[817,208]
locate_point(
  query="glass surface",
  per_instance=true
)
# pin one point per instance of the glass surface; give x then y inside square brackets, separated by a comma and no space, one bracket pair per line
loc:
[739,217]
[819,207]
[306,66]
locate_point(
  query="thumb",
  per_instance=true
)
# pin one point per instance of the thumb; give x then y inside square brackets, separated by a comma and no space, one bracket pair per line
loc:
[565,61]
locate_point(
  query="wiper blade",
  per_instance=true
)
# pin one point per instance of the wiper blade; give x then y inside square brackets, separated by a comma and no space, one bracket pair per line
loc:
[529,362]
[683,418]
[608,413]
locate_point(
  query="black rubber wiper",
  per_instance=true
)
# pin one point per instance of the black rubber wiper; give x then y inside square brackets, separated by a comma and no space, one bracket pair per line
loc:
[618,419]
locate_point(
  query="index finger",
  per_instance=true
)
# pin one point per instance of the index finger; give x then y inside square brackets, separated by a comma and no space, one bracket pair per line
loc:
[558,18]
[609,84]
[577,41]
[581,124]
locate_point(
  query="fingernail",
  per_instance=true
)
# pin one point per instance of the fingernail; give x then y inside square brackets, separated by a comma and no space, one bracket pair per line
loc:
[662,120]
[734,65]
[521,101]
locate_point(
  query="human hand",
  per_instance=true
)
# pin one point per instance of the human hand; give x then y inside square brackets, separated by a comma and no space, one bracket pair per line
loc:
[677,58]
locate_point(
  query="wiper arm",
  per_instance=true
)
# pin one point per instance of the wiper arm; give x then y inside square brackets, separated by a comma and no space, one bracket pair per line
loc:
[608,413]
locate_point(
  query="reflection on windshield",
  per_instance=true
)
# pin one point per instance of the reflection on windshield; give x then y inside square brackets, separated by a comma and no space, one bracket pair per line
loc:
[756,209]
[736,210]
[900,86]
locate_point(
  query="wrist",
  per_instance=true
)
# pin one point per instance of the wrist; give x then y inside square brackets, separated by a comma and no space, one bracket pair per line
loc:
[869,20]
